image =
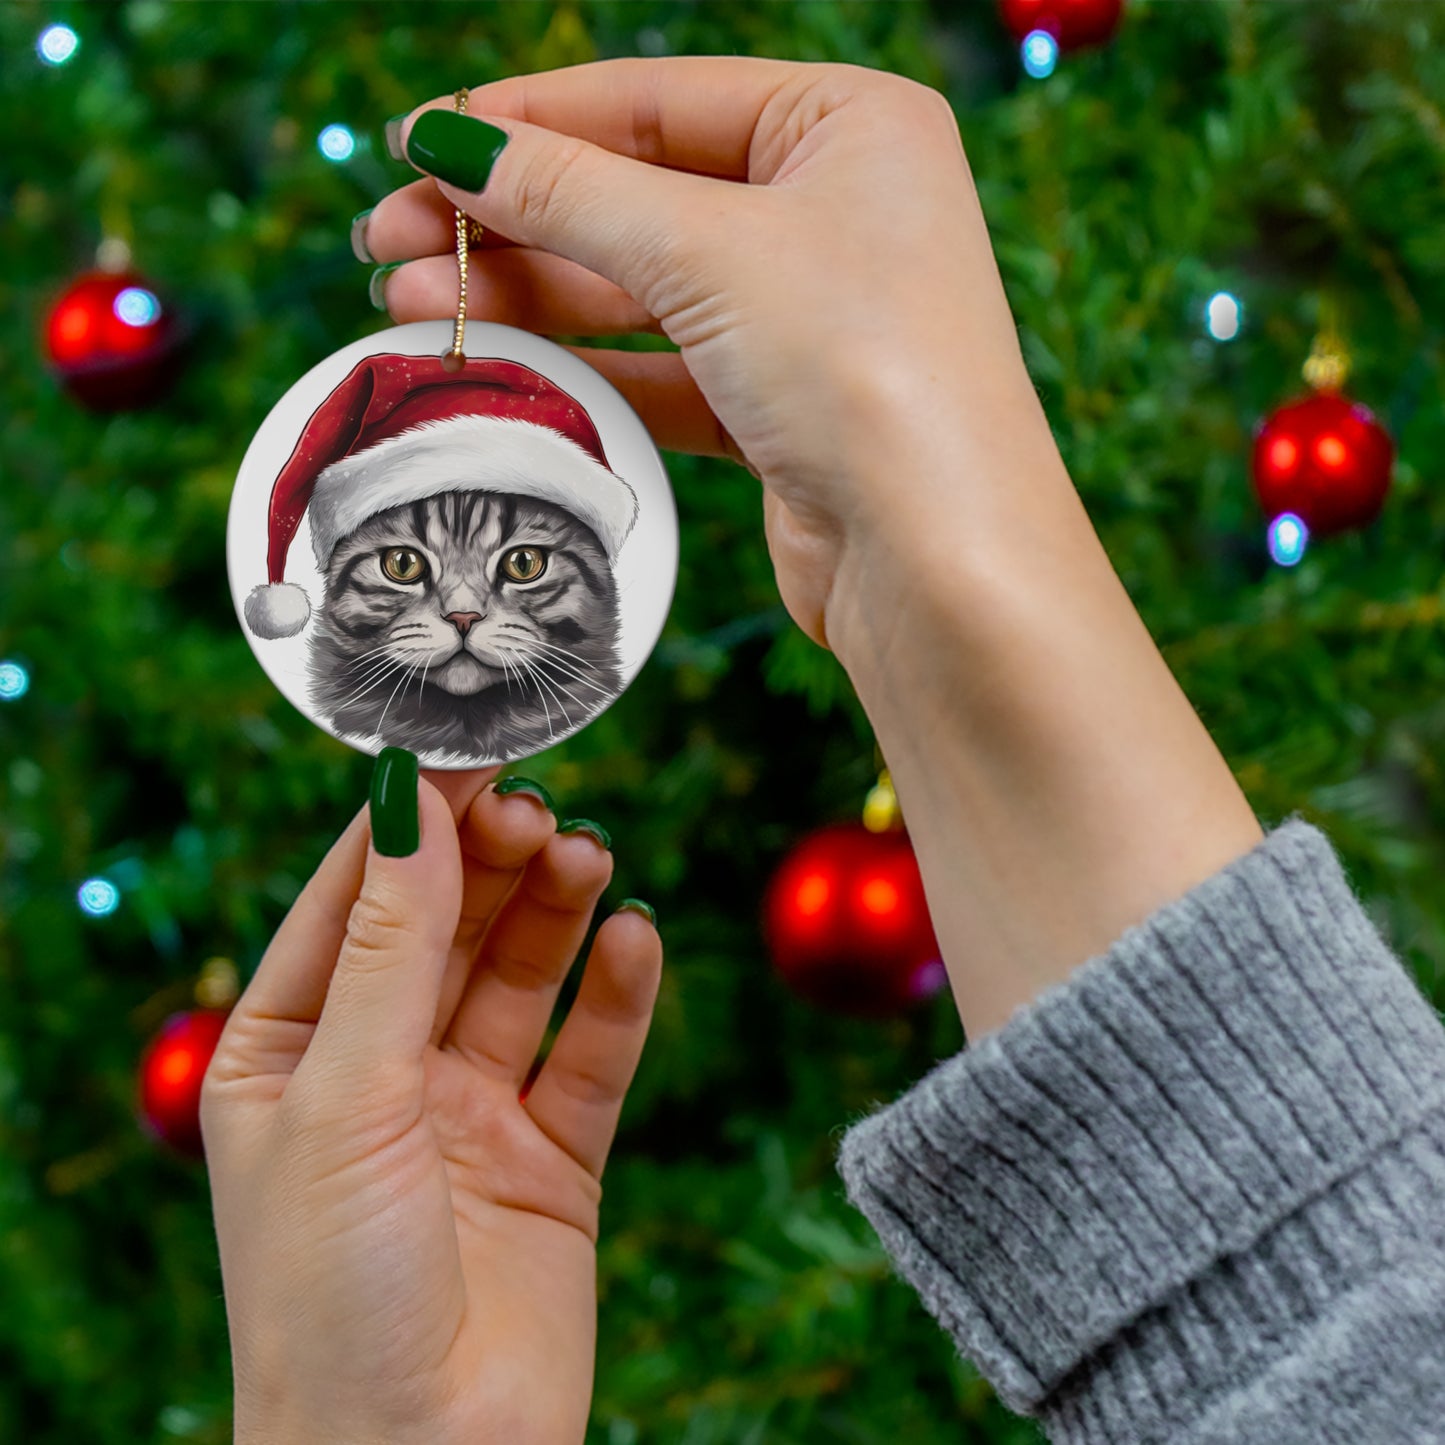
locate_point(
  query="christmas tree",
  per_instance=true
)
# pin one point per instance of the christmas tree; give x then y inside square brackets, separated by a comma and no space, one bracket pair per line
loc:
[1179,215]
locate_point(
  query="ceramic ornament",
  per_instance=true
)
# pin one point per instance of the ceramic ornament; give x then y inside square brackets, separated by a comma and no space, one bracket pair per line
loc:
[467,557]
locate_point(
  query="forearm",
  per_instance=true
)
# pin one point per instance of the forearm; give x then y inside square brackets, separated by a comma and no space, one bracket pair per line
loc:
[1057,784]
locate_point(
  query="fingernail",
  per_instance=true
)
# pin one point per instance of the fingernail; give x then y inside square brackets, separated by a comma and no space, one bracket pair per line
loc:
[359,248]
[525,785]
[376,287]
[455,148]
[636,905]
[395,811]
[393,136]
[586,825]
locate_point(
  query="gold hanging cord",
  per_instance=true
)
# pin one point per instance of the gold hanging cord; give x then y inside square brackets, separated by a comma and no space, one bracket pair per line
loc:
[1328,366]
[469,233]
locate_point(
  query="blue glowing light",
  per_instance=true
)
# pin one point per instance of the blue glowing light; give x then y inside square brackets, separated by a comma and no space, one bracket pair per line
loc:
[1288,538]
[57,44]
[14,681]
[336,143]
[1040,53]
[98,897]
[1223,316]
[137,307]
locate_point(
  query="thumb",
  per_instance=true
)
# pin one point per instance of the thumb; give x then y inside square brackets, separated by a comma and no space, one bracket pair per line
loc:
[630,222]
[382,1000]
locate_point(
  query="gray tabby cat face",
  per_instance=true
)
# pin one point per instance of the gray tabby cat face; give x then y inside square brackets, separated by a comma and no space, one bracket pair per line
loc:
[457,620]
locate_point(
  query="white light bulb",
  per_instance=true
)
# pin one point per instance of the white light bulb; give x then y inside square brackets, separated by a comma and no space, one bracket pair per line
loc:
[336,143]
[1223,316]
[1040,52]
[136,306]
[1288,538]
[98,897]
[57,44]
[14,681]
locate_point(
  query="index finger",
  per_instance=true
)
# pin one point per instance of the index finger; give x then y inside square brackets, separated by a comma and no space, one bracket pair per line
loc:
[695,113]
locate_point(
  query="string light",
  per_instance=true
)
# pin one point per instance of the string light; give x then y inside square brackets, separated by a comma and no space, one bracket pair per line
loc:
[1288,538]
[57,44]
[14,681]
[1040,52]
[136,306]
[336,143]
[98,897]
[928,980]
[1223,316]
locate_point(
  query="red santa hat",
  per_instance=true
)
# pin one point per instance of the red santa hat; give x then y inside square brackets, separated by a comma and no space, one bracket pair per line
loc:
[402,428]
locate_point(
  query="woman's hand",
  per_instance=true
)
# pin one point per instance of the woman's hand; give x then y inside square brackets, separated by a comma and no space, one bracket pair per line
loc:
[407,1245]
[810,237]
[844,298]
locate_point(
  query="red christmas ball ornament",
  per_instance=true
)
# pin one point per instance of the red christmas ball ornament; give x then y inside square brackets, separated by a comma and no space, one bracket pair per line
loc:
[112,341]
[171,1071]
[1326,459]
[1073,23]
[847,923]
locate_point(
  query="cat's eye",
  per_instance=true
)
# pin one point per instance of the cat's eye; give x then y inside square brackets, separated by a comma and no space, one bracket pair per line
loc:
[403,564]
[524,564]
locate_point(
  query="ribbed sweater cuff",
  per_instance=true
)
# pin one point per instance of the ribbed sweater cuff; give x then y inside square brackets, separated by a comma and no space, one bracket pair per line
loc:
[1142,1166]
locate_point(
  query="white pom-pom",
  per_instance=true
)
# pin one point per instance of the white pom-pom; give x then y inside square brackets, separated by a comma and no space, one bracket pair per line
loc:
[279,609]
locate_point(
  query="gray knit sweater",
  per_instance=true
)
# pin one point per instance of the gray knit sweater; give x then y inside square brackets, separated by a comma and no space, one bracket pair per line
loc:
[1196,1192]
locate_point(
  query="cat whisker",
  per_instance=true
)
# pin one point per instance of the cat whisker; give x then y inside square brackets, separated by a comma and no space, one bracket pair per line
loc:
[575,666]
[379,658]
[358,663]
[370,665]
[561,651]
[533,641]
[526,665]
[507,670]
[377,677]
[421,686]
[555,686]
[558,670]
[544,663]
[381,721]
[517,666]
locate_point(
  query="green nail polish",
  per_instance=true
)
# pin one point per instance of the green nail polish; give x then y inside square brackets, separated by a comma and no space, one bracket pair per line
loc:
[586,825]
[511,785]
[376,287]
[395,811]
[455,148]
[636,905]
[392,132]
[359,248]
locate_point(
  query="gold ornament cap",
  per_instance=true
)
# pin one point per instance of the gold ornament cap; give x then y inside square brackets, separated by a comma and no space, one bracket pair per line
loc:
[881,813]
[1328,365]
[219,985]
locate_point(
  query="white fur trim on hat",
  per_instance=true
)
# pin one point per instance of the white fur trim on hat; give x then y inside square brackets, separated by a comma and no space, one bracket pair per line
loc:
[470,454]
[277,609]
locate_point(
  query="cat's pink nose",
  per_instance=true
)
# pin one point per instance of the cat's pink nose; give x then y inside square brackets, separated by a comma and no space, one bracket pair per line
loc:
[463,620]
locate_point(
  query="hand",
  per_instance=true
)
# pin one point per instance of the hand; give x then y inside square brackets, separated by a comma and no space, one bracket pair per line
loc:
[843,329]
[408,1248]
[845,297]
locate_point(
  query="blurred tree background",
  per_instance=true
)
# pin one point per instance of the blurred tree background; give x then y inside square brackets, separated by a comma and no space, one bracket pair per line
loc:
[1286,153]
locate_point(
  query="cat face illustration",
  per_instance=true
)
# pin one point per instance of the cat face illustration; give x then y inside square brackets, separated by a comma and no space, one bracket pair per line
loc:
[465,523]
[474,623]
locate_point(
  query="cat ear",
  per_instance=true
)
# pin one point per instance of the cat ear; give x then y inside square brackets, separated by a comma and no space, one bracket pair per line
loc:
[277,609]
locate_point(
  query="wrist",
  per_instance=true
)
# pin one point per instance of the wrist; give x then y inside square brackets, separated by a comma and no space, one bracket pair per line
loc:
[1057,784]
[945,518]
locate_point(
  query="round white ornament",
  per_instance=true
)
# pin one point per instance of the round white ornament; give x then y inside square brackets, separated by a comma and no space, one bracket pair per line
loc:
[468,562]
